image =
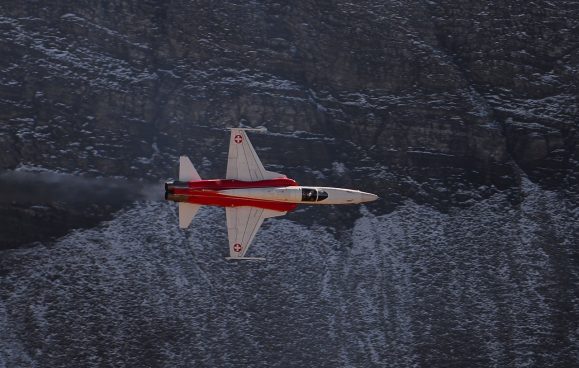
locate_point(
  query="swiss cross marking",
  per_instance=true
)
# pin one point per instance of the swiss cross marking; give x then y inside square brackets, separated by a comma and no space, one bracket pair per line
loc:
[237,247]
[237,139]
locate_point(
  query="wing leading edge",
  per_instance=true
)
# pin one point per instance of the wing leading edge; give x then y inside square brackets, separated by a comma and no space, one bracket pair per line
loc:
[242,162]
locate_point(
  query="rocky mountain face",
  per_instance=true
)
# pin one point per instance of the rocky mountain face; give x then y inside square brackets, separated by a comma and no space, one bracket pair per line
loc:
[121,87]
[412,287]
[461,115]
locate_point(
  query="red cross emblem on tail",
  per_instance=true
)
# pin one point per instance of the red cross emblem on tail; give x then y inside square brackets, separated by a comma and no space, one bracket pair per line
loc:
[238,139]
[237,247]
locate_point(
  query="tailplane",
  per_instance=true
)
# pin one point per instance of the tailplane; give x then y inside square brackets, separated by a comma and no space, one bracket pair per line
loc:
[186,213]
[187,171]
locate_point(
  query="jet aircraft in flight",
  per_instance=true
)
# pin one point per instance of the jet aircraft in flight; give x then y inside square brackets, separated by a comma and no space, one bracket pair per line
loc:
[249,193]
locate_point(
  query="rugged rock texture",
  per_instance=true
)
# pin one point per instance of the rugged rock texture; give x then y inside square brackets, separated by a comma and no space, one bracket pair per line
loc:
[522,57]
[413,287]
[120,87]
[462,115]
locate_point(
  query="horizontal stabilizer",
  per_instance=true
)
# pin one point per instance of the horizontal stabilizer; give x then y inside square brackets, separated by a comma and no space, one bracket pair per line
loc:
[186,213]
[187,171]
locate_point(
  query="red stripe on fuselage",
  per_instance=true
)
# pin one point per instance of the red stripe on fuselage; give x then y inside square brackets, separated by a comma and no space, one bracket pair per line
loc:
[227,201]
[207,192]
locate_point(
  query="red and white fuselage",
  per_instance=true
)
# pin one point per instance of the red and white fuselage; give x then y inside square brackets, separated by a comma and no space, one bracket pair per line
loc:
[250,193]
[280,194]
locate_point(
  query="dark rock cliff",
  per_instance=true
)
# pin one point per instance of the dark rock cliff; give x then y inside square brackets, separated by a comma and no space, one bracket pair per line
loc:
[460,106]
[121,87]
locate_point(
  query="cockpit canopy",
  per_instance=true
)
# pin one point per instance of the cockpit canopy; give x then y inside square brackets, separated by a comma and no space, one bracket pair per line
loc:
[313,195]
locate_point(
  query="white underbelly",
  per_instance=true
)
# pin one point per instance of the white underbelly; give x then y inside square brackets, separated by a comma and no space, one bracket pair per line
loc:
[281,194]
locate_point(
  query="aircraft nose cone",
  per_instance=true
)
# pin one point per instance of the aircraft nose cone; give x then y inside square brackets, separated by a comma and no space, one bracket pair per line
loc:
[367,197]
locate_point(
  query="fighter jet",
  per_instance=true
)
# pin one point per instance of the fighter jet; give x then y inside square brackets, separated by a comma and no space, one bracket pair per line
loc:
[249,193]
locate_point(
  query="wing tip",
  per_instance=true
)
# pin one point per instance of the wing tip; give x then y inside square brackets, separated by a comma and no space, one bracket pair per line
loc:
[256,129]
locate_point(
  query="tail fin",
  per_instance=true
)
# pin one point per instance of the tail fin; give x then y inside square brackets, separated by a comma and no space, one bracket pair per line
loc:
[186,213]
[187,171]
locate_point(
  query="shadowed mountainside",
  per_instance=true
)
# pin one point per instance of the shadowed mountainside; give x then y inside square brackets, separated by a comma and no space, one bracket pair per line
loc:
[462,116]
[122,87]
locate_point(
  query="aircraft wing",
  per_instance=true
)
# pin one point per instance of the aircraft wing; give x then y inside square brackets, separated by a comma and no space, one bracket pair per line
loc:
[242,162]
[242,224]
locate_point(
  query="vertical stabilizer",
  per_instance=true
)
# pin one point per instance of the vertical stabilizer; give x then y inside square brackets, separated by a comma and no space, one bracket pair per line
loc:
[187,171]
